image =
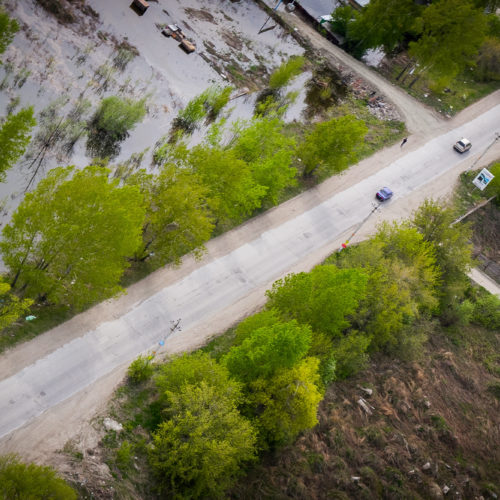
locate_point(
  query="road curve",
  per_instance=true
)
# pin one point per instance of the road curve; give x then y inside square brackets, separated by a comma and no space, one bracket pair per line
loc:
[224,278]
[418,117]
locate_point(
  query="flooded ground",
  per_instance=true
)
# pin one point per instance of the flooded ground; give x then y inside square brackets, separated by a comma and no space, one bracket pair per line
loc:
[48,61]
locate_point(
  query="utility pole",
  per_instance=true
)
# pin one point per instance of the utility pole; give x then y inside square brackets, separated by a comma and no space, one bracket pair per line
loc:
[262,27]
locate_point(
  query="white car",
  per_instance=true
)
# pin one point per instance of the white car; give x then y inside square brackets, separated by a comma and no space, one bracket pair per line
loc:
[462,145]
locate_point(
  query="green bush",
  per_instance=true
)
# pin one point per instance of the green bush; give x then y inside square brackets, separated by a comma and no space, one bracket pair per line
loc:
[286,72]
[31,482]
[124,455]
[141,369]
[487,312]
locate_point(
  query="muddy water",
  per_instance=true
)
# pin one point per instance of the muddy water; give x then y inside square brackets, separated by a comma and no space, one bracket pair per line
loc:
[62,61]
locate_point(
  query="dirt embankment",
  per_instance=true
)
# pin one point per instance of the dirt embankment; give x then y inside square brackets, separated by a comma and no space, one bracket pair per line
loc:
[433,432]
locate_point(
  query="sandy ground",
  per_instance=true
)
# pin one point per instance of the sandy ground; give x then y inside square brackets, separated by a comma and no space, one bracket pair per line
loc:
[40,439]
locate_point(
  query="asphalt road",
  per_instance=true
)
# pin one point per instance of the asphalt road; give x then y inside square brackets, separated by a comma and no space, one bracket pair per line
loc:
[223,281]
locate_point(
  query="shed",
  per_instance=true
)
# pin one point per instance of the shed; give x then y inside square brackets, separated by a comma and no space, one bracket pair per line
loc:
[141,5]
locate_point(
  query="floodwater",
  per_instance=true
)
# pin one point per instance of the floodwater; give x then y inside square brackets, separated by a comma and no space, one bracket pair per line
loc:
[47,61]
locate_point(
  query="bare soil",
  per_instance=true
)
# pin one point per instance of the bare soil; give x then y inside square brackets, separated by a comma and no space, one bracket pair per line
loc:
[434,427]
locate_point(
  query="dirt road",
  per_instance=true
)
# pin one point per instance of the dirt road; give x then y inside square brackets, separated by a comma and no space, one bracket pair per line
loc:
[419,119]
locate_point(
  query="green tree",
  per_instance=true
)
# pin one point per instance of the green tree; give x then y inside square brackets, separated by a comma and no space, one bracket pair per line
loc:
[322,298]
[287,403]
[488,61]
[384,23]
[233,193]
[178,219]
[11,306]
[263,319]
[267,350]
[451,246]
[111,124]
[33,482]
[193,369]
[286,72]
[8,28]
[451,32]
[68,240]
[263,145]
[330,146]
[14,138]
[199,450]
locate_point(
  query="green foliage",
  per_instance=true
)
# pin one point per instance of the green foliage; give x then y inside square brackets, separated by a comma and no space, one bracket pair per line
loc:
[198,451]
[111,124]
[350,352]
[177,219]
[267,350]
[216,99]
[286,72]
[487,312]
[330,146]
[33,482]
[210,102]
[8,28]
[341,19]
[322,298]
[287,403]
[141,369]
[124,455]
[451,245]
[263,319]
[263,145]
[451,32]
[488,61]
[189,117]
[11,306]
[14,138]
[384,23]
[193,369]
[402,281]
[68,240]
[493,188]
[233,193]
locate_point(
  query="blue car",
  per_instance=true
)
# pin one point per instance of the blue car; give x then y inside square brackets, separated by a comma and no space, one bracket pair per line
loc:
[384,194]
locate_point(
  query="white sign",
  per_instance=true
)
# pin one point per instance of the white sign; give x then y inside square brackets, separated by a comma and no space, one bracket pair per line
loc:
[482,179]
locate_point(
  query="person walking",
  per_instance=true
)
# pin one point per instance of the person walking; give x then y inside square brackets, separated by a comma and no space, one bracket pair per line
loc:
[405,140]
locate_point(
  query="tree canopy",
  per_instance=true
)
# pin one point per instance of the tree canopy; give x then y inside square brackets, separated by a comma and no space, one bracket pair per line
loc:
[8,28]
[14,138]
[330,146]
[178,219]
[33,482]
[11,306]
[111,123]
[322,298]
[269,349]
[287,403]
[451,32]
[198,451]
[69,239]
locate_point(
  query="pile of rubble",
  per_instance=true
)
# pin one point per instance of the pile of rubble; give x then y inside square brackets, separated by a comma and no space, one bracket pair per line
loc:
[376,103]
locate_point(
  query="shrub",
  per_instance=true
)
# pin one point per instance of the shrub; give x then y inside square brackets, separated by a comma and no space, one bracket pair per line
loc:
[487,312]
[286,72]
[141,369]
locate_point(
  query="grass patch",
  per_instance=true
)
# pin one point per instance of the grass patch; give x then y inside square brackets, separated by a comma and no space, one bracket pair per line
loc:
[47,317]
[461,92]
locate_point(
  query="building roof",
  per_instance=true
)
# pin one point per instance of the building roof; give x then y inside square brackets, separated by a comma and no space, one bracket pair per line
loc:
[319,8]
